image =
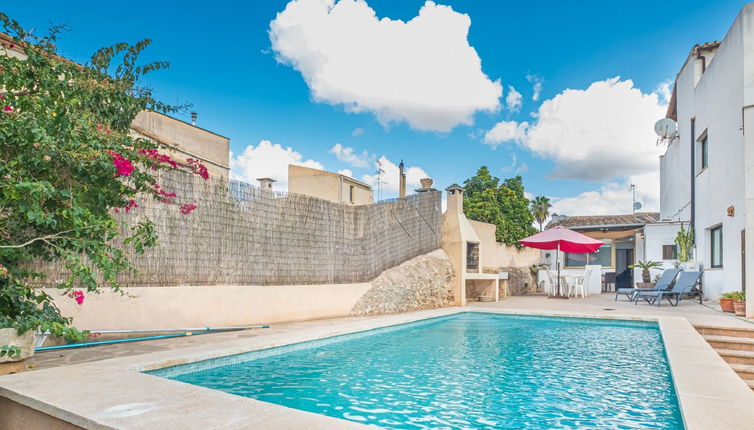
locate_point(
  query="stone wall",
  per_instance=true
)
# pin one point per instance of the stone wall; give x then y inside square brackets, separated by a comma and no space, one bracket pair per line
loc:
[520,282]
[424,282]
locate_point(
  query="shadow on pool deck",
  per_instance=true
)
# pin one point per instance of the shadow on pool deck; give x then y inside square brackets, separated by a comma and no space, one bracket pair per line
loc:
[598,305]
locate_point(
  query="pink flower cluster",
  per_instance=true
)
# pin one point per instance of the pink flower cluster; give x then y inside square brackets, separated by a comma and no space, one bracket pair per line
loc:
[77,295]
[159,158]
[122,164]
[131,204]
[101,127]
[187,208]
[162,195]
[198,168]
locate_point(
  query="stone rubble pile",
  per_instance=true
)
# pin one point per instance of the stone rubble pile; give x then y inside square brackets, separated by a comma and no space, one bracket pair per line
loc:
[424,282]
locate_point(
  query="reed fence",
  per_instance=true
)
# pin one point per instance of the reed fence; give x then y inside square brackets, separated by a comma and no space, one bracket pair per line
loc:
[241,234]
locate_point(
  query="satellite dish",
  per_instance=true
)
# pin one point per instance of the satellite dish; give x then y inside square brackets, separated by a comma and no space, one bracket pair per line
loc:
[666,127]
[637,206]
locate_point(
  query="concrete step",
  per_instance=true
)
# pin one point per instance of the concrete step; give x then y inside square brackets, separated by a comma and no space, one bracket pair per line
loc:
[725,331]
[730,342]
[733,356]
[746,372]
[750,384]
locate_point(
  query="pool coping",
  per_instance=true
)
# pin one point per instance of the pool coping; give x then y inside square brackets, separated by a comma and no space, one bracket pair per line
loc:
[114,393]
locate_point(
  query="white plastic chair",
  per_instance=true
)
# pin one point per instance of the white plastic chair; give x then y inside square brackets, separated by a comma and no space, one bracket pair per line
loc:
[579,284]
[553,283]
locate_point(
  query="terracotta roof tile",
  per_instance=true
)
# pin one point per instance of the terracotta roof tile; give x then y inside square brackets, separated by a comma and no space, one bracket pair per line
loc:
[639,218]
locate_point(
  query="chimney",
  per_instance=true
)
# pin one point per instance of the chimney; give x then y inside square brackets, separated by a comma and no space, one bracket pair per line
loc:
[266,183]
[455,198]
[401,181]
[426,185]
[193,118]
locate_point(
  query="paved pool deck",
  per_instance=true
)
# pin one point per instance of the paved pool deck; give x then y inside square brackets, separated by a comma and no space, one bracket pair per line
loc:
[103,387]
[603,304]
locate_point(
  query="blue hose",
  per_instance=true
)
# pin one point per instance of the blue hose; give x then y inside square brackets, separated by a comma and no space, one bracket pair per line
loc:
[108,342]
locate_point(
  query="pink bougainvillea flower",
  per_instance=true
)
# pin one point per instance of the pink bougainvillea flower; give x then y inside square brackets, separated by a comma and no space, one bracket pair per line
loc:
[198,168]
[159,158]
[122,164]
[187,208]
[77,295]
[131,204]
[8,108]
[100,126]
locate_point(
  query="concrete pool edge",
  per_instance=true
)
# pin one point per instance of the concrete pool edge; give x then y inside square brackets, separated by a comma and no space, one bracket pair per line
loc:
[93,395]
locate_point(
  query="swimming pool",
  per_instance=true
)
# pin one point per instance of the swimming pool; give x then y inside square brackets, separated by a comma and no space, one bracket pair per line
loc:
[469,370]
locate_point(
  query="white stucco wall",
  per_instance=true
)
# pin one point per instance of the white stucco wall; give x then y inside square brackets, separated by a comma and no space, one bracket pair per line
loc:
[747,24]
[200,306]
[715,103]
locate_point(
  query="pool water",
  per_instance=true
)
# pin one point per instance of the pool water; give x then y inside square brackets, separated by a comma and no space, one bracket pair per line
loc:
[466,371]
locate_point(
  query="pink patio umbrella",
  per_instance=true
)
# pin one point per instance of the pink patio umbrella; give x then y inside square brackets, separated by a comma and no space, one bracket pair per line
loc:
[562,239]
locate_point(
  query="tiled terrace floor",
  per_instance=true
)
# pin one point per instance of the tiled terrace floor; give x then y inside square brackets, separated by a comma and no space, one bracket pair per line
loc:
[598,305]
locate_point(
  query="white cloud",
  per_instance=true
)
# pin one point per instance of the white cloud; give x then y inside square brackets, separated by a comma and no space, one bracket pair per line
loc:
[513,100]
[422,71]
[603,134]
[268,160]
[536,82]
[597,134]
[390,178]
[358,131]
[348,155]
[613,198]
[346,172]
[665,91]
[506,131]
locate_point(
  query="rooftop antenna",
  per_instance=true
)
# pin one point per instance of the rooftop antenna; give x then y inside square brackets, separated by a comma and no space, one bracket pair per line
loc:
[379,172]
[636,205]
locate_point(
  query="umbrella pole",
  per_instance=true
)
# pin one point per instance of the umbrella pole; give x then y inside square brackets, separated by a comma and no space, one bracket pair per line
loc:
[559,295]
[557,263]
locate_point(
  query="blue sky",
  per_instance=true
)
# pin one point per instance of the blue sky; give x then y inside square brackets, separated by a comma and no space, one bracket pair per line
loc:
[223,62]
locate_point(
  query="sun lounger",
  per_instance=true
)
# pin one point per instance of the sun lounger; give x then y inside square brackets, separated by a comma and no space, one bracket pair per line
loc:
[664,283]
[685,284]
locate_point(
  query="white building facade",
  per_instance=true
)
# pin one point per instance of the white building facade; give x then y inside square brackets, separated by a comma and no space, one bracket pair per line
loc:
[707,171]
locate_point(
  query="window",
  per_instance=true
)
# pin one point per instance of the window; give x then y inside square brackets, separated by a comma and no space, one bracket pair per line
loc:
[669,252]
[716,246]
[703,151]
[350,194]
[603,256]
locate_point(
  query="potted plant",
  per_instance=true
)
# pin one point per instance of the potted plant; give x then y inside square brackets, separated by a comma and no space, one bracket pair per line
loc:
[685,242]
[646,277]
[726,302]
[739,303]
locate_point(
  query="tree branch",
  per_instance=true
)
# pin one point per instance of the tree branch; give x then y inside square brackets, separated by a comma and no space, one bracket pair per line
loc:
[18,93]
[42,238]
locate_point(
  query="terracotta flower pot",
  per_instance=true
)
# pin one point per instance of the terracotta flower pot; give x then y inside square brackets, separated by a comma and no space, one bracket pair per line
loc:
[739,308]
[726,305]
[9,336]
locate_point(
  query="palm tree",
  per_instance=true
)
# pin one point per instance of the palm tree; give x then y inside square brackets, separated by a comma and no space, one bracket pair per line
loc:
[540,207]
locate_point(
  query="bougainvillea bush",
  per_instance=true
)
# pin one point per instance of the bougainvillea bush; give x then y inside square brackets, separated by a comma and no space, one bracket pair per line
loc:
[68,164]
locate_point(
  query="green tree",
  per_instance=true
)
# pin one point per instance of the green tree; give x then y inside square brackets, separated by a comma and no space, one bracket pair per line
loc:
[540,208]
[68,162]
[503,204]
